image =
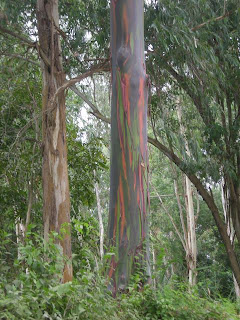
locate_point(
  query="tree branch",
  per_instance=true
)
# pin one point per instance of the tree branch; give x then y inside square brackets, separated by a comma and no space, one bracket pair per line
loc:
[27,42]
[196,98]
[95,110]
[15,35]
[71,82]
[212,20]
[18,56]
[171,218]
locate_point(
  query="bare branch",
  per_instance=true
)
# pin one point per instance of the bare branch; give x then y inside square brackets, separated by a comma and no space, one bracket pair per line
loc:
[95,111]
[71,82]
[171,218]
[27,42]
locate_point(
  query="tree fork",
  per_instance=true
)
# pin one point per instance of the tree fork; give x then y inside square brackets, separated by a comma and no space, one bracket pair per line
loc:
[129,190]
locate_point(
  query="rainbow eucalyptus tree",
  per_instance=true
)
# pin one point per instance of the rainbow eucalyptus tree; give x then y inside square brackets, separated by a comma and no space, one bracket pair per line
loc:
[129,198]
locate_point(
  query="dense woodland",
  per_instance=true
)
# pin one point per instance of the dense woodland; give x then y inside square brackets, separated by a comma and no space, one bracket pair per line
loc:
[120,159]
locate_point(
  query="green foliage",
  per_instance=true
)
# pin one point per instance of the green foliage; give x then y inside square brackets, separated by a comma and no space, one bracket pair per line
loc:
[85,159]
[85,244]
[36,292]
[176,302]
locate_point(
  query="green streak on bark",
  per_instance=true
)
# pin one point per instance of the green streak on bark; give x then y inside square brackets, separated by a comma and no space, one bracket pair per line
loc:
[120,106]
[132,42]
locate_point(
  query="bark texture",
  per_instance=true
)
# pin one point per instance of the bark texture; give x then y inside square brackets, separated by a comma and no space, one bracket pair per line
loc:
[129,196]
[56,200]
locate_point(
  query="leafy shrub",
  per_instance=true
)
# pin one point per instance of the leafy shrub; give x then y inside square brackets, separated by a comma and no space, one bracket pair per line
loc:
[180,304]
[36,292]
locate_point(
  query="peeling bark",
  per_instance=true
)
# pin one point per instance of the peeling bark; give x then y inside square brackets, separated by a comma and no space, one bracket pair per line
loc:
[56,199]
[129,194]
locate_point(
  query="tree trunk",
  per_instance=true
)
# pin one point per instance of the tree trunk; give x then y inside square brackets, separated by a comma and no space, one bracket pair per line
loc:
[230,229]
[129,194]
[100,220]
[192,243]
[154,266]
[56,199]
[20,233]
[236,287]
[191,254]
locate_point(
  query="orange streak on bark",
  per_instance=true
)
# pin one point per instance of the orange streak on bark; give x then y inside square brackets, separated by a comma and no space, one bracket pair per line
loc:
[112,268]
[138,198]
[130,156]
[125,61]
[124,164]
[123,217]
[125,23]
[141,114]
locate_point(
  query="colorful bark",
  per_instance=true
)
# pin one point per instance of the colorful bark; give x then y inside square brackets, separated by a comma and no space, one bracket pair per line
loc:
[56,199]
[129,198]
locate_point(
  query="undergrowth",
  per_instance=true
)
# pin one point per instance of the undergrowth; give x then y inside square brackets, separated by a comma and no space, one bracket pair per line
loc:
[32,290]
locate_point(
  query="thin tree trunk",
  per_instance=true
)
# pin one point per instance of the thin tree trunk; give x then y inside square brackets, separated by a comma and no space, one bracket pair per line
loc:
[56,199]
[30,203]
[154,266]
[180,210]
[100,220]
[181,238]
[192,243]
[236,287]
[191,228]
[129,194]
[230,230]
[20,233]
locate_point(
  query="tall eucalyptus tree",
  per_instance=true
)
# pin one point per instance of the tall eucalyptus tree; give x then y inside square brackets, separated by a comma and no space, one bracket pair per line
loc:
[129,197]
[56,198]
